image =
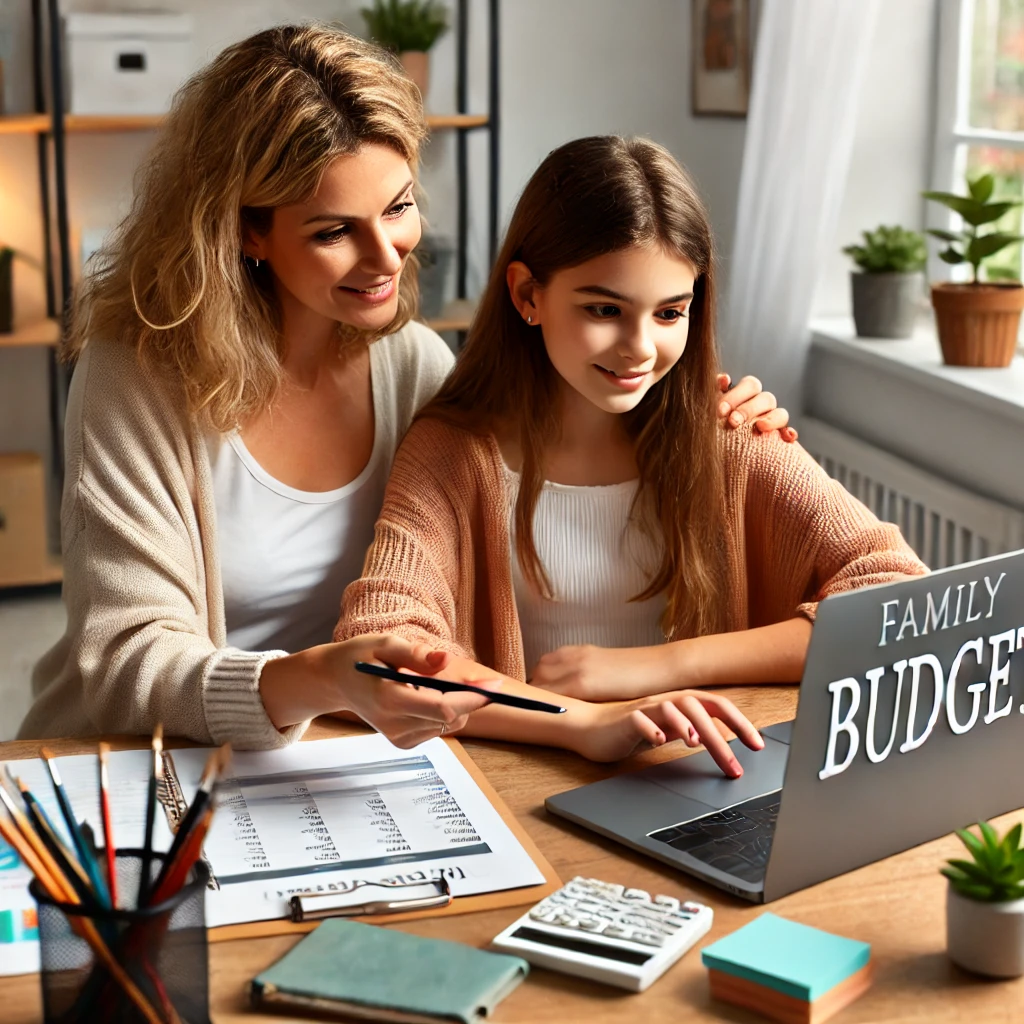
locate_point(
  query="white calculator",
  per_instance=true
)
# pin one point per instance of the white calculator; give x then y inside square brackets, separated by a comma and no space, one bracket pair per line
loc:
[606,932]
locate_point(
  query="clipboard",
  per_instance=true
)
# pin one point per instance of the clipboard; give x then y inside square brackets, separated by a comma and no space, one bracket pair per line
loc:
[174,806]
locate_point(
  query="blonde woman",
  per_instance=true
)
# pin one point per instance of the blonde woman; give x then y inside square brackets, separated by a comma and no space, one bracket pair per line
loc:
[246,366]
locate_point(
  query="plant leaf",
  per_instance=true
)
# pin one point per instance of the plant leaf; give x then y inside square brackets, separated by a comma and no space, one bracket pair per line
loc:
[993,211]
[981,188]
[946,236]
[1011,841]
[988,245]
[974,872]
[950,255]
[988,833]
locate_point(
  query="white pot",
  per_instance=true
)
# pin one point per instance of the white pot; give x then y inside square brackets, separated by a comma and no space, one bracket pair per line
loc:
[987,938]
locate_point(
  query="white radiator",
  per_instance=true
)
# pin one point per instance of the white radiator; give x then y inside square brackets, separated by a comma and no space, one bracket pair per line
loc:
[944,523]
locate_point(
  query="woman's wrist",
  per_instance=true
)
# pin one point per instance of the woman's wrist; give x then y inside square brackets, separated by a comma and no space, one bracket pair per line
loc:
[294,689]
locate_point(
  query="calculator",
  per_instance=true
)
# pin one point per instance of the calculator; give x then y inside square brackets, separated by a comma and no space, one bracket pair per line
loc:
[606,932]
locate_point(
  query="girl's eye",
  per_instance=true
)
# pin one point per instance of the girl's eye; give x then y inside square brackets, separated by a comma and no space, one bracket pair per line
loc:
[603,312]
[670,316]
[333,234]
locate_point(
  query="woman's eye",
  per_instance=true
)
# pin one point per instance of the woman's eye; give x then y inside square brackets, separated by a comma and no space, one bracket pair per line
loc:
[670,316]
[399,208]
[603,312]
[333,234]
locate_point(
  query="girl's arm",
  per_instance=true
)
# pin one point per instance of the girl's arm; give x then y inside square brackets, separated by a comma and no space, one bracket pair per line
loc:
[610,731]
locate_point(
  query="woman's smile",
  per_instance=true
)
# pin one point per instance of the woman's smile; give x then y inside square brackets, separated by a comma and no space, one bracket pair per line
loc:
[629,380]
[375,293]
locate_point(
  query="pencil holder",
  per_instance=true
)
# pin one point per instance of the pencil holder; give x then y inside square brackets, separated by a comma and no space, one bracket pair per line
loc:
[156,971]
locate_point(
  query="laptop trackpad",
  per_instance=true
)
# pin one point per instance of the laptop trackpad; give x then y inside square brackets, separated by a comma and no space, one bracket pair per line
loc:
[697,777]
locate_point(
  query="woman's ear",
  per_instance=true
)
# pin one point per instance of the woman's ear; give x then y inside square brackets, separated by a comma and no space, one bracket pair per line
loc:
[522,288]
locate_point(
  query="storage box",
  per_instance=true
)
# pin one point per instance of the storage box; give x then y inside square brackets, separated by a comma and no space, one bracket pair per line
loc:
[129,63]
[23,552]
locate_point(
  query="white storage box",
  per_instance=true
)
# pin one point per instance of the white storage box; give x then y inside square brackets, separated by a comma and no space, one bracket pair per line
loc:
[129,63]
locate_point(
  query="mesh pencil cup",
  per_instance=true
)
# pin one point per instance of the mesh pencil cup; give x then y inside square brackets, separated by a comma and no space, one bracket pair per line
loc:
[160,967]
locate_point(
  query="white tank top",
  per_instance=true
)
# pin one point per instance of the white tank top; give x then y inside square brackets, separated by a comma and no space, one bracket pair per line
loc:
[287,555]
[596,560]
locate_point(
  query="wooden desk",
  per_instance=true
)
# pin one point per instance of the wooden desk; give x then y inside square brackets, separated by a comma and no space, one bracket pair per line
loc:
[897,905]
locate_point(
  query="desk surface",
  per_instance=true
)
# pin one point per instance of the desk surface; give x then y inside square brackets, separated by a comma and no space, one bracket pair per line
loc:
[898,905]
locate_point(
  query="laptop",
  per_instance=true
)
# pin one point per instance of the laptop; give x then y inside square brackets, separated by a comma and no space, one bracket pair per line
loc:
[910,724]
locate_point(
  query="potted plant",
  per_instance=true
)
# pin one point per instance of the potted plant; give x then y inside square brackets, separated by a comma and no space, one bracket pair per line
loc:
[888,285]
[985,903]
[977,321]
[409,28]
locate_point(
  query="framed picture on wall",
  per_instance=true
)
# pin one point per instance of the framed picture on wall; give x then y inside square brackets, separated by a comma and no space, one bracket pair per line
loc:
[720,57]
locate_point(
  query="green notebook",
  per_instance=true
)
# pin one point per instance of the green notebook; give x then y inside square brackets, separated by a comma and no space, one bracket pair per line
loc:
[361,970]
[792,958]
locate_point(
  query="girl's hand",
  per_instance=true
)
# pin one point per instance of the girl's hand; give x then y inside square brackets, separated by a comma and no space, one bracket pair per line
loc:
[618,730]
[324,680]
[592,673]
[746,402]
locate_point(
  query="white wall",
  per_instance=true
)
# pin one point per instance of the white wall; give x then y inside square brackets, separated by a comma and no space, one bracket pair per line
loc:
[891,160]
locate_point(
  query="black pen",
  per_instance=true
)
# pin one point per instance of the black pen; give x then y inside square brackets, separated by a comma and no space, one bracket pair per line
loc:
[446,686]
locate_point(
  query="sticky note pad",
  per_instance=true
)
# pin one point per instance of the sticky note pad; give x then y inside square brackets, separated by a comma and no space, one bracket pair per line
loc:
[793,959]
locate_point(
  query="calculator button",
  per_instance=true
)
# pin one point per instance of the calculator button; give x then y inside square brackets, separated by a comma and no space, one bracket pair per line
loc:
[618,931]
[649,938]
[593,924]
[668,902]
[637,894]
[692,908]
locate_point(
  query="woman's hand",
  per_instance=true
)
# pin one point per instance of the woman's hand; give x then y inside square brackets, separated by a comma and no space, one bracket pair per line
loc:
[617,730]
[588,672]
[745,402]
[324,680]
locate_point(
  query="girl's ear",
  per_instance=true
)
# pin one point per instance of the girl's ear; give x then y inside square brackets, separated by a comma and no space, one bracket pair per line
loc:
[521,287]
[253,244]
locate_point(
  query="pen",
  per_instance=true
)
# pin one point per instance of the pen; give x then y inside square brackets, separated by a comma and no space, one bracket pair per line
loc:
[108,826]
[155,778]
[84,854]
[446,686]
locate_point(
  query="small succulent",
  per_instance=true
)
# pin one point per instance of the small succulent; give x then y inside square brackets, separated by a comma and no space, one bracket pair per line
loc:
[889,250]
[404,25]
[976,209]
[996,873]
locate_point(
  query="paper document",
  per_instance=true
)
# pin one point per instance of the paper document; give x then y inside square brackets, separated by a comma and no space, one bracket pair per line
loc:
[321,816]
[19,930]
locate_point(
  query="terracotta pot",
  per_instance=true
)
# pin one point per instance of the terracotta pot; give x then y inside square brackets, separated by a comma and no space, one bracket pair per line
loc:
[987,938]
[978,323]
[417,67]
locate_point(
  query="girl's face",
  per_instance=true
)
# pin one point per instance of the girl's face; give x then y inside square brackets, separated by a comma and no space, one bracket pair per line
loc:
[613,326]
[341,253]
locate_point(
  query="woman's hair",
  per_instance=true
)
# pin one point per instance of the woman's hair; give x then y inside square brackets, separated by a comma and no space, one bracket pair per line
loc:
[588,198]
[253,130]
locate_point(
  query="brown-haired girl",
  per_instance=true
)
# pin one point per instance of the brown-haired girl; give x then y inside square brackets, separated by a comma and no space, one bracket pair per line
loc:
[568,507]
[246,368]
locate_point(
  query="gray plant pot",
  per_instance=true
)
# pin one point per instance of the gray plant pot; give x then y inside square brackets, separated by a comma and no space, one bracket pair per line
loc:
[986,938]
[436,254]
[886,305]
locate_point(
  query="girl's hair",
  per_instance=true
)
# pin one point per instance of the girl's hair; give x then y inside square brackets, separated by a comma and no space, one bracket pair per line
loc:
[253,130]
[588,198]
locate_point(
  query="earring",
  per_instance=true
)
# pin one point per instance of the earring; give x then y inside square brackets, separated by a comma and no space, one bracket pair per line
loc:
[529,319]
[257,263]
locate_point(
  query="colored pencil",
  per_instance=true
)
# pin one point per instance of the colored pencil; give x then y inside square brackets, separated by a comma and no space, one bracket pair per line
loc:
[84,854]
[108,825]
[155,779]
[59,890]
[178,869]
[215,766]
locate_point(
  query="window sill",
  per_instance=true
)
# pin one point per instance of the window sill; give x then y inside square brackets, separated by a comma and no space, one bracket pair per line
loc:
[962,423]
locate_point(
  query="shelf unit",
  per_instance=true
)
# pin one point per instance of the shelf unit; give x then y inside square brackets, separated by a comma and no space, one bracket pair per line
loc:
[51,124]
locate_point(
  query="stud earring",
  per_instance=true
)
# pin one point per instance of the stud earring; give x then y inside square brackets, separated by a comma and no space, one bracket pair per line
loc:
[529,319]
[257,263]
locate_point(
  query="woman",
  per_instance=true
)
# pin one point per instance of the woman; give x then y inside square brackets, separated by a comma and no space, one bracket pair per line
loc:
[625,548]
[230,426]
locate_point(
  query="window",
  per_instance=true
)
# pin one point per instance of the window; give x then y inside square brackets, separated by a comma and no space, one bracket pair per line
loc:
[980,113]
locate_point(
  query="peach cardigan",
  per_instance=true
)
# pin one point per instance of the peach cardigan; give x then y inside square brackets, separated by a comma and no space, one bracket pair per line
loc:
[439,568]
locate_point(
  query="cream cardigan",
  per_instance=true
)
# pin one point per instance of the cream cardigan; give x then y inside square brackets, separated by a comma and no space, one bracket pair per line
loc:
[145,639]
[439,569]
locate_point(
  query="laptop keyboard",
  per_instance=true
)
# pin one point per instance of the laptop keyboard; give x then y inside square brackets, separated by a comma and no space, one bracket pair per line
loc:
[737,840]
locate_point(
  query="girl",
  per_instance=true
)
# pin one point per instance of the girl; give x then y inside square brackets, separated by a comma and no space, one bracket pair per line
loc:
[569,504]
[230,425]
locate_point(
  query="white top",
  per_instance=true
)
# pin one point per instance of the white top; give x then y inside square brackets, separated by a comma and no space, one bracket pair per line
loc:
[286,556]
[596,558]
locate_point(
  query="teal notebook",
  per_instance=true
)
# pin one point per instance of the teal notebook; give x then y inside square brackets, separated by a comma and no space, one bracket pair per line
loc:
[792,958]
[360,970]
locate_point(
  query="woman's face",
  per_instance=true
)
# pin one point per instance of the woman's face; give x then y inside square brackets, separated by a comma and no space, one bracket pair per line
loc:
[340,254]
[615,325]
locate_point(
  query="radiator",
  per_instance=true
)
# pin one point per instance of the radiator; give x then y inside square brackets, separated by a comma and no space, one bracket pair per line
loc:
[944,523]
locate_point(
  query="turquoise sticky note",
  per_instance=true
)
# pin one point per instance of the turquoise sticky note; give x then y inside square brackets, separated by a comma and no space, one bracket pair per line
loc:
[791,958]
